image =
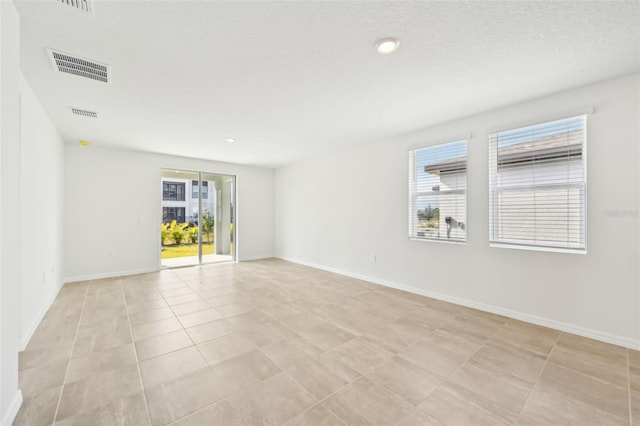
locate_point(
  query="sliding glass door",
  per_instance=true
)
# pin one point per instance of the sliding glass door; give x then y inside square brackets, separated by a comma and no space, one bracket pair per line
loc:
[218,225]
[198,211]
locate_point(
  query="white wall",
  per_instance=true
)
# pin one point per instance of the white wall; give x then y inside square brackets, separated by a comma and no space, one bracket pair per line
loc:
[338,210]
[41,211]
[10,396]
[113,204]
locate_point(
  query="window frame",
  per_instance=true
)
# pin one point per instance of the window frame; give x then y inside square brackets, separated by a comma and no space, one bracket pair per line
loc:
[205,190]
[176,217]
[166,187]
[414,193]
[517,244]
[195,189]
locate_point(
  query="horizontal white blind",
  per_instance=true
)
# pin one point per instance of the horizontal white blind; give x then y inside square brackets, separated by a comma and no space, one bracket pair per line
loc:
[438,192]
[537,179]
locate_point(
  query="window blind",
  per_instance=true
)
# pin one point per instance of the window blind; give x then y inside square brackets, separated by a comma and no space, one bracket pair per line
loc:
[438,192]
[537,180]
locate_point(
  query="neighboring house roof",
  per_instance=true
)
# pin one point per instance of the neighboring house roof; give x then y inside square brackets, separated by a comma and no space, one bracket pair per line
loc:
[545,148]
[447,166]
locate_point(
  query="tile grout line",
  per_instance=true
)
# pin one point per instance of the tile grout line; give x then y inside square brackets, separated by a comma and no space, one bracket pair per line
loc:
[544,366]
[602,381]
[316,405]
[482,345]
[329,410]
[228,396]
[210,367]
[73,346]
[486,341]
[411,345]
[299,384]
[207,365]
[589,376]
[135,353]
[447,379]
[320,401]
[282,370]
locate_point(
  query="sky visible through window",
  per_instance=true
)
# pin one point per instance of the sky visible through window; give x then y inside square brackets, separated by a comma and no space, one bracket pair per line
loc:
[426,181]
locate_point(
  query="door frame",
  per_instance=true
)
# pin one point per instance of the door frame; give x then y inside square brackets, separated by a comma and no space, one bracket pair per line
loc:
[234,200]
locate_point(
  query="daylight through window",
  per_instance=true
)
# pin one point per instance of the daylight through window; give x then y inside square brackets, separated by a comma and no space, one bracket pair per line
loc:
[438,192]
[537,179]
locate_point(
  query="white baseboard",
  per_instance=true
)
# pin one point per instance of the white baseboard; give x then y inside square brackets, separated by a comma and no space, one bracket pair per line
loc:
[108,275]
[259,257]
[12,410]
[34,325]
[115,274]
[545,322]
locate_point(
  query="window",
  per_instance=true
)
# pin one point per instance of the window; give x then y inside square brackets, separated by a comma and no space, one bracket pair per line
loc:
[537,179]
[438,192]
[170,214]
[194,189]
[173,191]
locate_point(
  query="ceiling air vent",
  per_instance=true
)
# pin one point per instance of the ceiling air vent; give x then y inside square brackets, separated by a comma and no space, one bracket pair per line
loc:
[70,64]
[81,5]
[84,112]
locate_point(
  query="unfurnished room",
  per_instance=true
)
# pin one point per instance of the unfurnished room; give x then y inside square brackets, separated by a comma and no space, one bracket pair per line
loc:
[220,213]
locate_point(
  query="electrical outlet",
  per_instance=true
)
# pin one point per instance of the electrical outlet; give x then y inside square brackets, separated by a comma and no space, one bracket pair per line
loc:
[372,258]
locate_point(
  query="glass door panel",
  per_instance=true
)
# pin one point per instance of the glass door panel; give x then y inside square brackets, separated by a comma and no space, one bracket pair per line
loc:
[179,227]
[218,221]
[198,218]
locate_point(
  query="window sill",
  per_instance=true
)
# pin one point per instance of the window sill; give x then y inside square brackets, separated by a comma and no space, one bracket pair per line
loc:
[538,248]
[438,240]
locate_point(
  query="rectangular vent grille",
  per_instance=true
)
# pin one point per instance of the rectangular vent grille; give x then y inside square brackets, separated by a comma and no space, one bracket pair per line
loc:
[82,5]
[77,66]
[84,112]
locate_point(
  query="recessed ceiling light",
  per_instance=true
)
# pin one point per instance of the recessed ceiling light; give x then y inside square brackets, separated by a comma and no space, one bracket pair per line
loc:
[387,45]
[230,140]
[84,143]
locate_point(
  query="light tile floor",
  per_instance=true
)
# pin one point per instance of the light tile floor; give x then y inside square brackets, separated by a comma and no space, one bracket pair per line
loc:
[270,342]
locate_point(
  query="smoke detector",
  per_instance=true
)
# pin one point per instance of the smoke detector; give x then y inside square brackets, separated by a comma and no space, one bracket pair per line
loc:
[81,5]
[67,63]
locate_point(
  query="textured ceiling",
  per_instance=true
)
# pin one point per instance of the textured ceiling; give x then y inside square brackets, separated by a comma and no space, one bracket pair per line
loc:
[291,80]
